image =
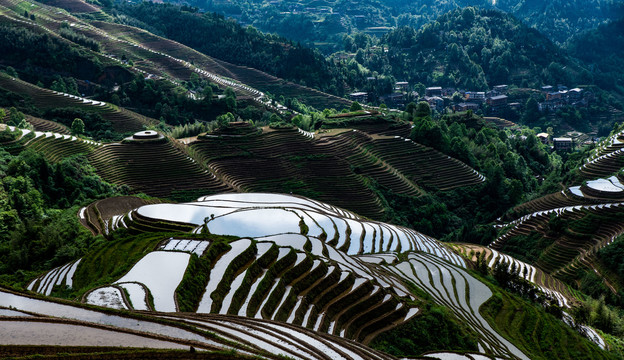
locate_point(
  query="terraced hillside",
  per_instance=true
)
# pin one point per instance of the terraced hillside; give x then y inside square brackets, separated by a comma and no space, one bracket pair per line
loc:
[206,65]
[568,252]
[74,6]
[544,281]
[458,291]
[424,165]
[157,168]
[289,259]
[47,125]
[168,59]
[64,329]
[53,146]
[100,215]
[607,159]
[121,119]
[568,197]
[590,192]
[335,166]
[500,123]
[338,165]
[28,321]
[292,260]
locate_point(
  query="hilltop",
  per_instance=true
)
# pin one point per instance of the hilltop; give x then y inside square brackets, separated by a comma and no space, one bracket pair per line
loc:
[472,48]
[324,23]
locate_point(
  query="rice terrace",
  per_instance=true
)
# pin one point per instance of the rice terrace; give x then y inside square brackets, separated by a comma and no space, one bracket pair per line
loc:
[311,180]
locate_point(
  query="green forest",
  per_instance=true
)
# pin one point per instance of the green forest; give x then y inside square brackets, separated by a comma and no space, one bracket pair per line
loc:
[323,24]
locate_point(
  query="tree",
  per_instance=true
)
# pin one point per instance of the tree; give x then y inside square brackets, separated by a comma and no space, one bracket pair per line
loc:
[224,120]
[230,98]
[115,99]
[59,85]
[355,106]
[208,93]
[15,117]
[531,112]
[23,124]
[420,89]
[422,110]
[77,126]
[11,71]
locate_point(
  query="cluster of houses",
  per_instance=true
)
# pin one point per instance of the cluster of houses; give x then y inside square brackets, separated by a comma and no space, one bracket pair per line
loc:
[496,99]
[561,96]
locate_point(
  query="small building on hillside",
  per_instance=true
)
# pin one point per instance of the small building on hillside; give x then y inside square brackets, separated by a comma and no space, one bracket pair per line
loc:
[563,143]
[448,91]
[547,88]
[433,91]
[556,95]
[401,86]
[500,89]
[361,97]
[343,56]
[543,137]
[475,96]
[575,94]
[466,106]
[394,99]
[435,102]
[378,30]
[497,101]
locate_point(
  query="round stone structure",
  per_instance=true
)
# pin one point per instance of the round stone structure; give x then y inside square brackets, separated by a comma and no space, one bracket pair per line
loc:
[147,134]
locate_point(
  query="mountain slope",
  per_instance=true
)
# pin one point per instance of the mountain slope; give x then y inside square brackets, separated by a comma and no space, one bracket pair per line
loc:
[603,50]
[476,49]
[311,21]
[304,263]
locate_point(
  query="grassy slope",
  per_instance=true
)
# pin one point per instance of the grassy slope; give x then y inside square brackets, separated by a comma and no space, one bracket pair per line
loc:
[434,329]
[108,262]
[536,333]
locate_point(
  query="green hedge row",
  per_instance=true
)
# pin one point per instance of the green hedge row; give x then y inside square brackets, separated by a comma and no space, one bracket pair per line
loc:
[197,275]
[238,264]
[253,272]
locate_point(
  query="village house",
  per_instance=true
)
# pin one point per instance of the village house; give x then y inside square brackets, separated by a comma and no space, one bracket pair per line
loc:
[433,91]
[361,97]
[497,101]
[394,99]
[475,96]
[543,137]
[562,143]
[435,102]
[466,106]
[401,86]
[500,89]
